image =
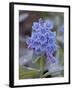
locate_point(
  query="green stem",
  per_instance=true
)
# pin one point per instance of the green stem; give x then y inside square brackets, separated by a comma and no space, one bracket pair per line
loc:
[41,66]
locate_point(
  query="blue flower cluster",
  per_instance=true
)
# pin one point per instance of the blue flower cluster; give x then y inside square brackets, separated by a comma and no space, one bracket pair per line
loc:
[43,39]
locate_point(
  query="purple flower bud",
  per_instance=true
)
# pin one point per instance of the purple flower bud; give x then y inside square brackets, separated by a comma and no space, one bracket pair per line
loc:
[51,58]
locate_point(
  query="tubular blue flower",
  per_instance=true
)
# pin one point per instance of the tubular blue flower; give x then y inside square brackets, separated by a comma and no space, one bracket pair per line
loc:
[35,26]
[36,43]
[43,31]
[52,34]
[48,24]
[35,36]
[38,50]
[43,40]
[51,48]
[29,41]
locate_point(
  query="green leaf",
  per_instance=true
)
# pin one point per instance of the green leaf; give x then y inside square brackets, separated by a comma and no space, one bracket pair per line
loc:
[36,59]
[41,63]
[61,57]
[26,74]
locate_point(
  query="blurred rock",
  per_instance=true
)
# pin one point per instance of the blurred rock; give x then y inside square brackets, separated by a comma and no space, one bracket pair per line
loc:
[23,17]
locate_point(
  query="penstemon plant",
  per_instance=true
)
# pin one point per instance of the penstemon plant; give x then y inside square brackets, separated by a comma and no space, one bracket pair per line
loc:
[43,41]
